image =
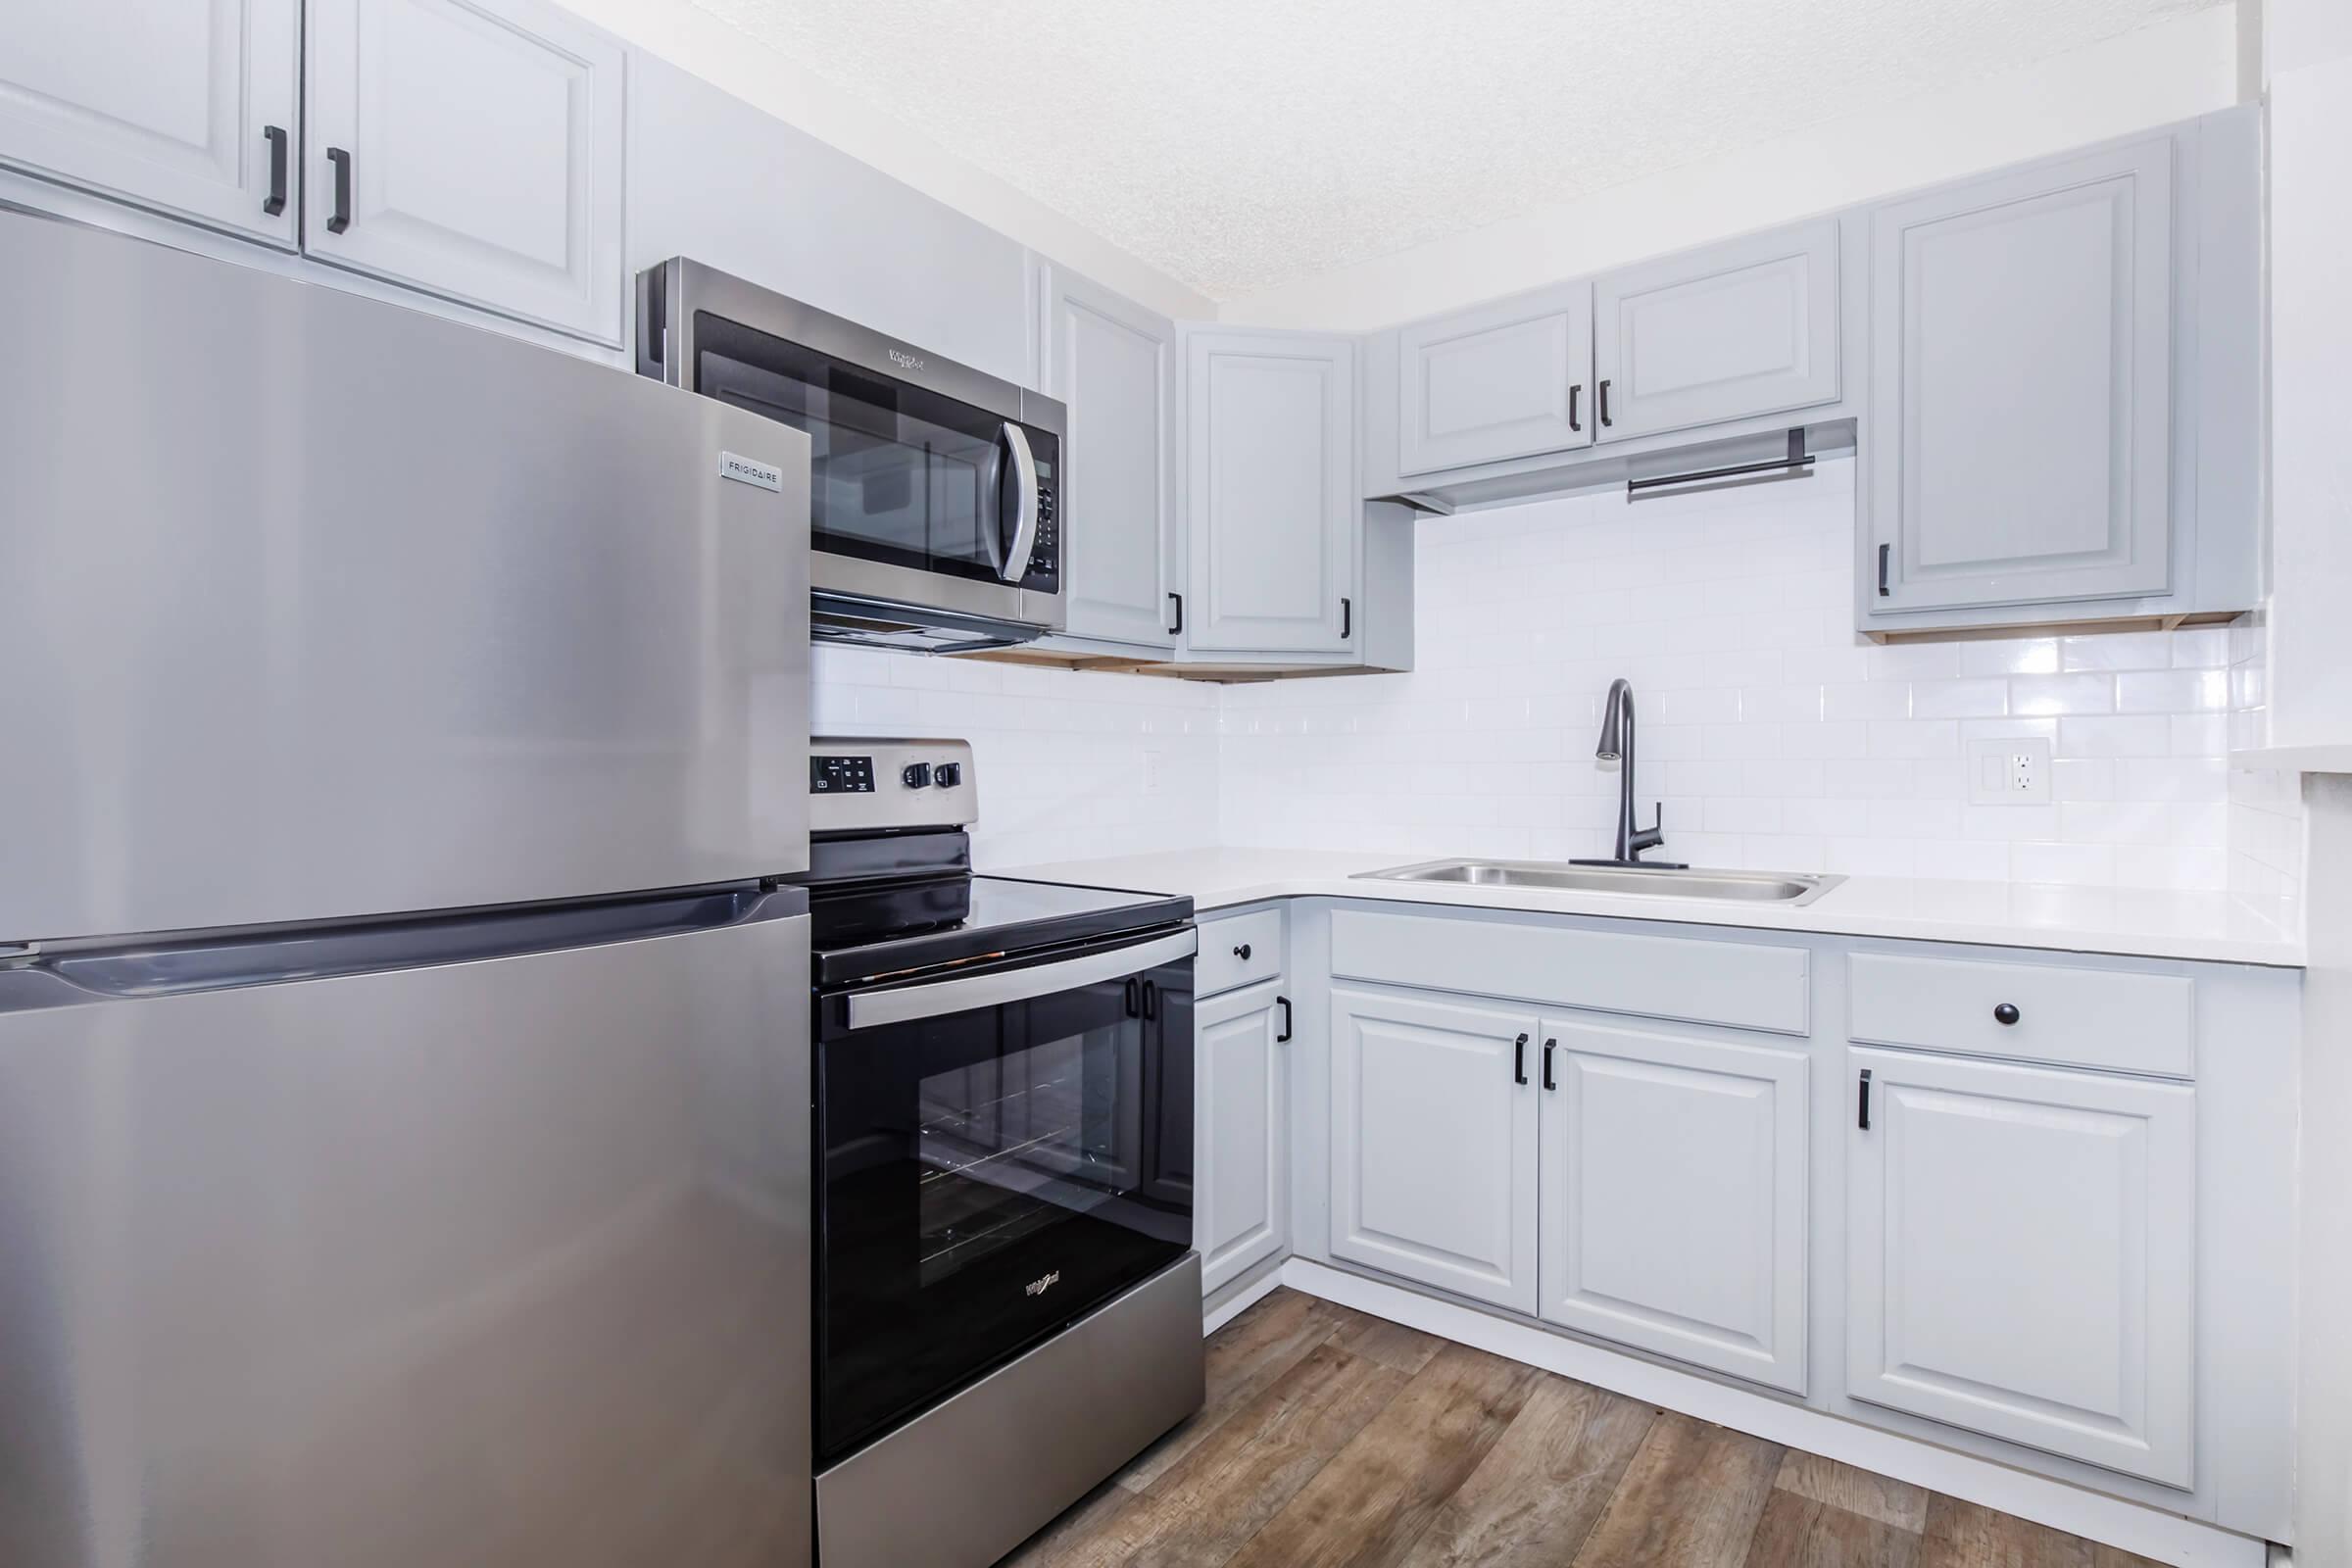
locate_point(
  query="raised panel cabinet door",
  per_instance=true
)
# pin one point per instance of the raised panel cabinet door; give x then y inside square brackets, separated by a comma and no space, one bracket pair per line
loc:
[1270,504]
[1113,365]
[1734,330]
[2020,1245]
[188,108]
[1674,1195]
[1433,1144]
[2018,445]
[471,148]
[1241,1192]
[1504,380]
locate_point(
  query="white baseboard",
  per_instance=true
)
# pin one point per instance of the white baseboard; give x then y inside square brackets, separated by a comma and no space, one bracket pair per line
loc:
[1241,1300]
[2148,1532]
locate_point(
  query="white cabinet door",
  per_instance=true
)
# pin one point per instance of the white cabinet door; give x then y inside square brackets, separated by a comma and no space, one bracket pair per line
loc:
[1504,380]
[471,148]
[1270,492]
[1113,363]
[1433,1144]
[1240,1185]
[172,107]
[1727,333]
[2019,444]
[1673,1173]
[2021,1255]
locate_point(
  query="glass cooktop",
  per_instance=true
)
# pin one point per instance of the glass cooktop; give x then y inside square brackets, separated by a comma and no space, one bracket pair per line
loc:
[887,929]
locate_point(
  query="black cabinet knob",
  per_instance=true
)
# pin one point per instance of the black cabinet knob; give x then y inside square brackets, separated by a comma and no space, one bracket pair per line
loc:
[1243,952]
[2006,1012]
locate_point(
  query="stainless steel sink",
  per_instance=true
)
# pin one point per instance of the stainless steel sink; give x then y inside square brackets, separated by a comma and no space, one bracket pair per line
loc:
[1560,876]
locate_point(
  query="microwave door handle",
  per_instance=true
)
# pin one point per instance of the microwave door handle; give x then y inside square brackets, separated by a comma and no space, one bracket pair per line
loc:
[968,992]
[1024,530]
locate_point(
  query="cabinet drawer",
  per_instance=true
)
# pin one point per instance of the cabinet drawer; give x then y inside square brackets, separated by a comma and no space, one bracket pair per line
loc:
[1237,950]
[2077,1017]
[1743,984]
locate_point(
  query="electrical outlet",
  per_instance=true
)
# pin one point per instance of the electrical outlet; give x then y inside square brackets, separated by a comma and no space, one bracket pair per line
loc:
[1155,766]
[2009,770]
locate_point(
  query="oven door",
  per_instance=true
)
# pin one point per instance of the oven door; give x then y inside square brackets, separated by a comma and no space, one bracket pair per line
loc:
[997,1156]
[914,497]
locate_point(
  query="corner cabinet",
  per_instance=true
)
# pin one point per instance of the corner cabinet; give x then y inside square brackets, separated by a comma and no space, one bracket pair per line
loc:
[189,109]
[473,149]
[1271,511]
[1113,365]
[1242,1191]
[1433,1143]
[2022,1256]
[2020,406]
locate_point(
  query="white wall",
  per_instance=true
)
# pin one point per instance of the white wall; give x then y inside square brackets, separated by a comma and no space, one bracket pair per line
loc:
[1069,765]
[1773,736]
[700,44]
[2173,71]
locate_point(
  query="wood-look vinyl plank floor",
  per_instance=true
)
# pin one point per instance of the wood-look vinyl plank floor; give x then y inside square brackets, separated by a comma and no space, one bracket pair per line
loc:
[1332,1439]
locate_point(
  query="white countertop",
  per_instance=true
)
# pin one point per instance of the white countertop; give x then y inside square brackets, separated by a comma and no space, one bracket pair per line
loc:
[2216,927]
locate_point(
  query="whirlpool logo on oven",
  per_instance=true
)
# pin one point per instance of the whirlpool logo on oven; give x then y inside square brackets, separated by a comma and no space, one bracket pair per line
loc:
[1041,1287]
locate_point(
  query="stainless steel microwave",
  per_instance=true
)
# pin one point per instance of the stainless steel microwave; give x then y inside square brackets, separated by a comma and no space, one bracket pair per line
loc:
[933,518]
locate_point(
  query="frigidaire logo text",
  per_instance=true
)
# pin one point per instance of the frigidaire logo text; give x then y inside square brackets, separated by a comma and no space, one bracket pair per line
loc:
[1041,1287]
[908,362]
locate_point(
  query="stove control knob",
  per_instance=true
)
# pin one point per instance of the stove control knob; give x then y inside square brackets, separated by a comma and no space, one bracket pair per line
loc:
[947,775]
[916,776]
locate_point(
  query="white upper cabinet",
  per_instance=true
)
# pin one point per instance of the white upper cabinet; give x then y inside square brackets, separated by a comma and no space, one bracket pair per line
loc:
[190,107]
[1674,1204]
[1433,1143]
[1113,365]
[1271,512]
[2020,438]
[1504,380]
[473,148]
[1242,1188]
[2021,1254]
[1739,330]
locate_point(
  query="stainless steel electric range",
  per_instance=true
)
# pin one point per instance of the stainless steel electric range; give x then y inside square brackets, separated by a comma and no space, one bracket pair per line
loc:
[1008,1306]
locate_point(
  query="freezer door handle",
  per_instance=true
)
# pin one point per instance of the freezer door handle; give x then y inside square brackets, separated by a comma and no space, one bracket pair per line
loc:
[938,997]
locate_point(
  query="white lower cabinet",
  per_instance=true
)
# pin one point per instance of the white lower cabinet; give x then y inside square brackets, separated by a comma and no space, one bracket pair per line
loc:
[2022,1256]
[1674,1195]
[1241,1180]
[1433,1143]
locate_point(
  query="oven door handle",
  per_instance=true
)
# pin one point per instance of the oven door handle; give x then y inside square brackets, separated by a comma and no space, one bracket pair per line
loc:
[1024,529]
[938,997]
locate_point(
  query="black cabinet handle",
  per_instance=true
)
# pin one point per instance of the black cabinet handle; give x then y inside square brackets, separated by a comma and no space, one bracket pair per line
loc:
[1865,1123]
[1243,952]
[2005,1013]
[1573,391]
[1604,404]
[340,219]
[276,202]
[1549,1045]
[1177,630]
[1519,1062]
[1883,552]
[1346,619]
[1283,1037]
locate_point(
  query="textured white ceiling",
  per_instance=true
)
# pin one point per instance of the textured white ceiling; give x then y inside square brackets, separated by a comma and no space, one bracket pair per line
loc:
[1237,144]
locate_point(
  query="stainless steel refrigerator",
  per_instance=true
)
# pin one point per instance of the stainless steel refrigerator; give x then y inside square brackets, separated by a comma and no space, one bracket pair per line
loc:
[404,1080]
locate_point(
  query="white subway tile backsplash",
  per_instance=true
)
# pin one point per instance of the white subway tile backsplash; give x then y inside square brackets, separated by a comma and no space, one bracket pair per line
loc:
[1774,736]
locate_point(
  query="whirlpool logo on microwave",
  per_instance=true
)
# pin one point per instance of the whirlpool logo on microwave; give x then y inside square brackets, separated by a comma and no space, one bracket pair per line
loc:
[906,361]
[1041,1287]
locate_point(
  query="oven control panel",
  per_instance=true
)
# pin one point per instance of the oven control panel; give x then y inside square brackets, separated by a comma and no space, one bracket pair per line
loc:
[860,784]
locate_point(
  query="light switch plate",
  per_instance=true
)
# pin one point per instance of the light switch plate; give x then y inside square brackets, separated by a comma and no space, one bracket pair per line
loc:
[2009,770]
